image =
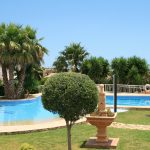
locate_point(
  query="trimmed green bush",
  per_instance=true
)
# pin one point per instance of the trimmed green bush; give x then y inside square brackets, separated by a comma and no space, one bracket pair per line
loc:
[71,95]
[26,146]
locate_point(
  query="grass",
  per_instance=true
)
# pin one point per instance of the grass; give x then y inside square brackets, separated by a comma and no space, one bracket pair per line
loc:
[134,117]
[56,139]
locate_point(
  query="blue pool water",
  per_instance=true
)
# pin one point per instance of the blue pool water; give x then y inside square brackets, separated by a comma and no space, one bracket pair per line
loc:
[129,100]
[29,111]
[23,111]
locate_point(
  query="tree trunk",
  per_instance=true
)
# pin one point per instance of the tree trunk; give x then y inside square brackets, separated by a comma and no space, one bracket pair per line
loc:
[9,87]
[68,134]
[11,82]
[20,88]
[5,80]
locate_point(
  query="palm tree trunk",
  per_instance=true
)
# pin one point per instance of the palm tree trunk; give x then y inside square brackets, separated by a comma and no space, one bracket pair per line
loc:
[76,68]
[11,82]
[20,88]
[5,80]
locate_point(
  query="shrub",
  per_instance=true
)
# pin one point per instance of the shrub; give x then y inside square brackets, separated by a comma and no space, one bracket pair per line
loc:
[71,95]
[43,80]
[26,146]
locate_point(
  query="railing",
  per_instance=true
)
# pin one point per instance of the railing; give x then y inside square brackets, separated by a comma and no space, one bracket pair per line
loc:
[125,88]
[121,88]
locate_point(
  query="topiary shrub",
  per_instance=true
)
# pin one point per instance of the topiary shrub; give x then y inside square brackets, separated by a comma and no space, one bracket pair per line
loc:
[26,146]
[71,95]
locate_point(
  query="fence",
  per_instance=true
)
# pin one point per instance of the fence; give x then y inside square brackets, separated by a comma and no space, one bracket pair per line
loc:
[121,88]
[125,88]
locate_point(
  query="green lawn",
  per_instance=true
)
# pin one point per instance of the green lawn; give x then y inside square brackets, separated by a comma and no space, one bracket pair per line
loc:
[56,139]
[134,117]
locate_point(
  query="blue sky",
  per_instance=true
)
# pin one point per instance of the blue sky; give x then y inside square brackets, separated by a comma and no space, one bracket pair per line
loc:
[107,28]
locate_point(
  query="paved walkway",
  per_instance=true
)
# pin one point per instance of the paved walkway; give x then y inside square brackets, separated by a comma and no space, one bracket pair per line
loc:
[53,124]
[130,126]
[59,123]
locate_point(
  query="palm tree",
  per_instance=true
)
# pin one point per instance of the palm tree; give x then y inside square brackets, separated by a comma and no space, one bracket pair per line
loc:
[18,48]
[73,55]
[61,64]
[34,74]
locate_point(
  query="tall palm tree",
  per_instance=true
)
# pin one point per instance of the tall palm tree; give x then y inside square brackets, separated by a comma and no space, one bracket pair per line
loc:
[61,64]
[18,48]
[73,55]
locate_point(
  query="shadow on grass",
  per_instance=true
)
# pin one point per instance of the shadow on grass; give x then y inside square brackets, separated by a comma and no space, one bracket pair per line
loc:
[83,144]
[102,148]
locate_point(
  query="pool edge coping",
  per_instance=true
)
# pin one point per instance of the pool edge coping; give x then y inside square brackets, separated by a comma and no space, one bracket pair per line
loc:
[24,99]
[50,125]
[126,94]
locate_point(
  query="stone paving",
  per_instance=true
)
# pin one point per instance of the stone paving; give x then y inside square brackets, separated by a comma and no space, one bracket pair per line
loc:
[52,124]
[130,126]
[59,123]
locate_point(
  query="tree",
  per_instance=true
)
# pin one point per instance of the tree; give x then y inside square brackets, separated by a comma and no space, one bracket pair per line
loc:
[96,68]
[139,63]
[71,95]
[132,70]
[146,78]
[120,68]
[19,47]
[71,58]
[134,77]
[61,64]
[138,70]
[34,74]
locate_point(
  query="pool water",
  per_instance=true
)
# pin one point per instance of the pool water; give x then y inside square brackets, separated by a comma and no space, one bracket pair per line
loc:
[23,111]
[30,111]
[129,100]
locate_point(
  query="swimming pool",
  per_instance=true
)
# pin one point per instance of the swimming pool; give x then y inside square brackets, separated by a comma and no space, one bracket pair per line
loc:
[129,100]
[30,111]
[23,111]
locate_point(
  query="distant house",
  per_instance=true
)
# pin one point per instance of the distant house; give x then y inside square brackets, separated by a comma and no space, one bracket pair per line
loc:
[48,71]
[51,74]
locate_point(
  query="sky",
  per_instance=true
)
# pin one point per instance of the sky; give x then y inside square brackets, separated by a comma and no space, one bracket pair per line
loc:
[107,28]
